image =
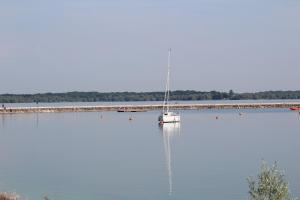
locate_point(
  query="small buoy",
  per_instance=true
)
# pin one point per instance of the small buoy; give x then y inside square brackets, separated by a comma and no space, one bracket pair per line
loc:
[217,117]
[130,118]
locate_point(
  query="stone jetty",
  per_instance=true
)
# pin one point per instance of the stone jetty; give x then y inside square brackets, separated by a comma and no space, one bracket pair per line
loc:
[143,108]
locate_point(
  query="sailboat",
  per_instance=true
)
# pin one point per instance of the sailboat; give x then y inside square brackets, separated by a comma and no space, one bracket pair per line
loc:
[167,116]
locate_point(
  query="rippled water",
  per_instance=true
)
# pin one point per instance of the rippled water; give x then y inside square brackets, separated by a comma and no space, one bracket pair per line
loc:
[107,156]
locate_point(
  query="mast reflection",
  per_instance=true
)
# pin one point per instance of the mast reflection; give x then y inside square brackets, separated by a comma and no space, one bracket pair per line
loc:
[3,120]
[37,120]
[169,130]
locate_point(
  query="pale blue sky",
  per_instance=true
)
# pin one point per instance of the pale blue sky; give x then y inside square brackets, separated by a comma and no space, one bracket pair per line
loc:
[121,45]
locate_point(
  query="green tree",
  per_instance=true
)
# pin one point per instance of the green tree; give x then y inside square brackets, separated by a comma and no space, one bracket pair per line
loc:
[231,93]
[271,184]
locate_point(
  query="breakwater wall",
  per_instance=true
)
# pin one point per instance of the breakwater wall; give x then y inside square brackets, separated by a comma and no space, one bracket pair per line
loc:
[142,108]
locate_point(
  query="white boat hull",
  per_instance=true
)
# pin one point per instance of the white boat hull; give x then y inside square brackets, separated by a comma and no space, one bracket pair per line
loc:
[169,118]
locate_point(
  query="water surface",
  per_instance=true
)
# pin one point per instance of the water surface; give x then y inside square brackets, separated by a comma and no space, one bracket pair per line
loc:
[107,156]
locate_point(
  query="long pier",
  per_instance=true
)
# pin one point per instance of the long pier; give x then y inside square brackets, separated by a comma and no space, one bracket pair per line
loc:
[143,108]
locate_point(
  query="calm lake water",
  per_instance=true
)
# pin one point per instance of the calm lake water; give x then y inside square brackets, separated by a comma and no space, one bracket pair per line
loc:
[75,156]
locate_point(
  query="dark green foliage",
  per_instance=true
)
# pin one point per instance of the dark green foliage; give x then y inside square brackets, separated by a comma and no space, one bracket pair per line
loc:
[178,95]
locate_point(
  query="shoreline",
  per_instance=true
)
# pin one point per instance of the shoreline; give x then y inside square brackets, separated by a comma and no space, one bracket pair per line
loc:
[144,108]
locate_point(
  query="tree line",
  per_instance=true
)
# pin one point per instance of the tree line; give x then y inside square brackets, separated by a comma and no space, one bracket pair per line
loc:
[178,95]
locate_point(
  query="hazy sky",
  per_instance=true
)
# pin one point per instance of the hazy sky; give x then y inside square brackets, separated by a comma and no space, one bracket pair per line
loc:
[121,45]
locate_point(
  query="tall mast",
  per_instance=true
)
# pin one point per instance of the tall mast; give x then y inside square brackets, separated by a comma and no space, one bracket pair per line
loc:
[167,92]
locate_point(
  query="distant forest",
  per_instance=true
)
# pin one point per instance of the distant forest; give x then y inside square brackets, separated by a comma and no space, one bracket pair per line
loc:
[179,95]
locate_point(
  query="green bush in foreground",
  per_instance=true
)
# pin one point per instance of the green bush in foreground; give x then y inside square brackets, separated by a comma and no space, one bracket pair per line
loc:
[271,184]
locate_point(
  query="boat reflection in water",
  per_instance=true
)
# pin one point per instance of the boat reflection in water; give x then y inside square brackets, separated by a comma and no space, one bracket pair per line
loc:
[169,130]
